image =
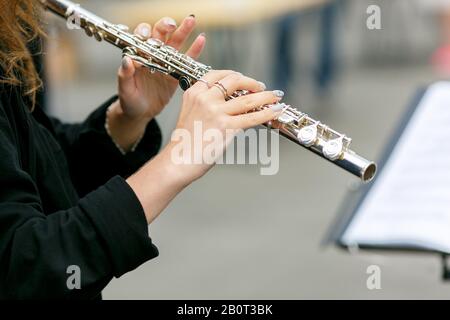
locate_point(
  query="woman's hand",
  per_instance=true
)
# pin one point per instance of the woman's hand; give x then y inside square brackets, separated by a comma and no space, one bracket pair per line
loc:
[143,95]
[159,181]
[204,104]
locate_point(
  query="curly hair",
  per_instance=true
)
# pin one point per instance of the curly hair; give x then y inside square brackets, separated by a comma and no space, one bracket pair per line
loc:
[19,25]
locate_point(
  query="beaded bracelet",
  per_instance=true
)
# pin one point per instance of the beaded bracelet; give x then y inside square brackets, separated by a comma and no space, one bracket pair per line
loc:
[108,131]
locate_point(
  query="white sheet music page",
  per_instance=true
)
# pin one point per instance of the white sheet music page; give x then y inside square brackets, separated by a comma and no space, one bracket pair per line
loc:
[409,203]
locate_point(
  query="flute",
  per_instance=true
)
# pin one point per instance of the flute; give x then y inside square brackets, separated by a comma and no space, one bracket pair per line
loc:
[159,57]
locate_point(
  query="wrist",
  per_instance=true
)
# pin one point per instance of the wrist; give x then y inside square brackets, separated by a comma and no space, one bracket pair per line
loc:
[185,171]
[126,132]
[157,183]
[161,179]
[123,119]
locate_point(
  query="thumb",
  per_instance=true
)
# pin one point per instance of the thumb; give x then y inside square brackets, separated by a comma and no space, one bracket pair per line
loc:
[127,83]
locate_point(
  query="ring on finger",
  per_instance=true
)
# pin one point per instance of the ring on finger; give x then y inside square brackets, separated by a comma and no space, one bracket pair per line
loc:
[222,88]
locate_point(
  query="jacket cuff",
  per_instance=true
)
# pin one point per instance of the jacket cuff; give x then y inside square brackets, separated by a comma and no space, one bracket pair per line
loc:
[119,218]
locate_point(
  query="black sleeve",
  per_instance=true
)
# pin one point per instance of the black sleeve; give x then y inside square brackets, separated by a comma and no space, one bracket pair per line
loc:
[105,234]
[92,156]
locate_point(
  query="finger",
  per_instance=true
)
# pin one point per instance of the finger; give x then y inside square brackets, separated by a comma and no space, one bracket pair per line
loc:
[197,47]
[163,28]
[216,75]
[253,119]
[144,30]
[237,81]
[210,78]
[127,83]
[252,101]
[180,35]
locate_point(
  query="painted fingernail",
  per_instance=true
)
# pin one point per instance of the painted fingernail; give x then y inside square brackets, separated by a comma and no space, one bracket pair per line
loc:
[170,22]
[263,86]
[277,107]
[144,31]
[125,63]
[278,93]
[192,15]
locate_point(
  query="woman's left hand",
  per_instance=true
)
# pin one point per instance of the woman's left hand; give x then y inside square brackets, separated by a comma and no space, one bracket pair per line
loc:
[143,95]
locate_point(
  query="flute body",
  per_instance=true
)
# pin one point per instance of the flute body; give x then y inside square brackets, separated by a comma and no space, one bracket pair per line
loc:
[158,57]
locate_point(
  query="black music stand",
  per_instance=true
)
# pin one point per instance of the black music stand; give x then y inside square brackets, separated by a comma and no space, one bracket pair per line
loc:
[351,204]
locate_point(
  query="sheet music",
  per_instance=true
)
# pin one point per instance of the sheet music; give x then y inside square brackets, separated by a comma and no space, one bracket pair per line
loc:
[409,203]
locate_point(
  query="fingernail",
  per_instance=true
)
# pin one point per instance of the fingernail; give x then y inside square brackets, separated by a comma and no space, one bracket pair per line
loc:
[170,22]
[277,107]
[203,34]
[125,63]
[278,93]
[263,86]
[192,15]
[144,31]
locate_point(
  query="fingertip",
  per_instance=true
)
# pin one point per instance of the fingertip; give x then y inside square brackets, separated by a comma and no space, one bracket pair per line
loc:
[126,62]
[254,86]
[126,76]
[170,23]
[127,67]
[201,41]
[190,20]
[278,93]
[198,46]
[202,37]
[277,108]
[144,30]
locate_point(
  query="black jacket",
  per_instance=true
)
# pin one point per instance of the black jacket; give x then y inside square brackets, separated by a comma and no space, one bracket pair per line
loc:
[64,202]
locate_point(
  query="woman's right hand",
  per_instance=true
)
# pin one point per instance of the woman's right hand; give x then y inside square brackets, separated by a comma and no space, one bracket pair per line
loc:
[160,180]
[204,108]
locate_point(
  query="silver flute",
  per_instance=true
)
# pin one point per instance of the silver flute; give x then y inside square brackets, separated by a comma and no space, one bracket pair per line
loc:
[158,57]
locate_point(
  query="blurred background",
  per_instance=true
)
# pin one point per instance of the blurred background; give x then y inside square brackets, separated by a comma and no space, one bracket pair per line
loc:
[237,234]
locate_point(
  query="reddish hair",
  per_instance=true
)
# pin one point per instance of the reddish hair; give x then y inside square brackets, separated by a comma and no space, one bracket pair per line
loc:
[19,25]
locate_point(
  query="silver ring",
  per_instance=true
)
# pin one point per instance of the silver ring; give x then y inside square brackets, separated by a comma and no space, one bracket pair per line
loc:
[222,88]
[205,82]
